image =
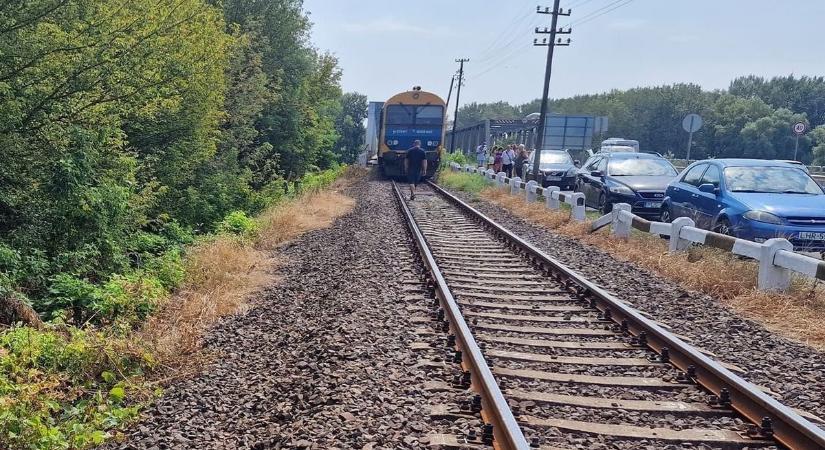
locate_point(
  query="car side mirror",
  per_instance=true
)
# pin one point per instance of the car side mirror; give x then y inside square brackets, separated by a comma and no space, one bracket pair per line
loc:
[577,163]
[708,188]
[596,173]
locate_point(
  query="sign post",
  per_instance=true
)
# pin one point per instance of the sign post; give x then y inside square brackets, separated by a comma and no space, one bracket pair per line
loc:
[691,123]
[798,130]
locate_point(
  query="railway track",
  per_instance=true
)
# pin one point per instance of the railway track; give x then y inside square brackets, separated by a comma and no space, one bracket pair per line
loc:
[558,362]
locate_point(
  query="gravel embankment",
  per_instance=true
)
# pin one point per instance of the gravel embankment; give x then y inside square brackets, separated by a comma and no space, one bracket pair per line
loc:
[794,372]
[325,358]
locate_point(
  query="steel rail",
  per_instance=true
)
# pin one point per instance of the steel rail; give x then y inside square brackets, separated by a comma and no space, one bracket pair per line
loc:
[783,424]
[506,431]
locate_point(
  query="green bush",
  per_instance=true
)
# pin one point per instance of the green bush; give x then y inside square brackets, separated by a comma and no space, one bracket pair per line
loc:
[463,181]
[455,157]
[167,268]
[128,299]
[313,182]
[69,294]
[239,223]
[37,411]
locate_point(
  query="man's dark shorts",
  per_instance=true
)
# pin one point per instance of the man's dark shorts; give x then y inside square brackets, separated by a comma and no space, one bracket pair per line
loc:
[414,176]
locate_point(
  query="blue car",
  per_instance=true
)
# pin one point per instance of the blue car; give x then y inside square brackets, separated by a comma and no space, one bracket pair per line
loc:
[750,199]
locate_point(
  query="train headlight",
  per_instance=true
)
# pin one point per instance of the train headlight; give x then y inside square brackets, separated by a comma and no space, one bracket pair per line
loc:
[429,143]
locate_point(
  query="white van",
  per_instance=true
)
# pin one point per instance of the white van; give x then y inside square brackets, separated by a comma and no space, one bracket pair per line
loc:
[619,145]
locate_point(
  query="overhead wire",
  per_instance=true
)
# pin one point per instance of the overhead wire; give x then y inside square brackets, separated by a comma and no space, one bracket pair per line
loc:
[508,56]
[584,21]
[597,12]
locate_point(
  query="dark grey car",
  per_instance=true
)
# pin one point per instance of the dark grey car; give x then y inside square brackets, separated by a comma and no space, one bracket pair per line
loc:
[557,169]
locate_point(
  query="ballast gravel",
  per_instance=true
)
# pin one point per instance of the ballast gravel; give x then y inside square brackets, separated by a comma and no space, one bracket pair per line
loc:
[340,353]
[792,372]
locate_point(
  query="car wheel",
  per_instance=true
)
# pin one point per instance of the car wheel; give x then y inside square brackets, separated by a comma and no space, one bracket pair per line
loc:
[723,227]
[605,207]
[666,218]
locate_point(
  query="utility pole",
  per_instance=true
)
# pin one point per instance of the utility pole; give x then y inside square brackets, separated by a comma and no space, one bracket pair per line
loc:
[550,44]
[450,93]
[457,97]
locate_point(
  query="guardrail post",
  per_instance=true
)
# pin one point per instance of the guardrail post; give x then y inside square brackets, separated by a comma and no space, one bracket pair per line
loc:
[620,228]
[531,191]
[772,277]
[577,202]
[500,179]
[514,185]
[549,201]
[676,243]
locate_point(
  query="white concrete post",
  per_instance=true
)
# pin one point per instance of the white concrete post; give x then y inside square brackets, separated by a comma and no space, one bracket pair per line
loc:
[578,213]
[514,185]
[490,174]
[771,277]
[676,243]
[531,191]
[453,166]
[467,167]
[620,228]
[482,170]
[500,179]
[549,200]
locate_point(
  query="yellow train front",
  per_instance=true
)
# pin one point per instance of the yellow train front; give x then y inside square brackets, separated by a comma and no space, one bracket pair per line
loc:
[405,118]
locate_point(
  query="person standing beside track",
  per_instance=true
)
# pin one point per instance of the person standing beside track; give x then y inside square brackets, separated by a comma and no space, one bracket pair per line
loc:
[481,154]
[507,160]
[415,164]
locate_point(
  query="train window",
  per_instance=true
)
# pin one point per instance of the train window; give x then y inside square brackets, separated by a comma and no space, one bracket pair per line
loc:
[400,115]
[429,115]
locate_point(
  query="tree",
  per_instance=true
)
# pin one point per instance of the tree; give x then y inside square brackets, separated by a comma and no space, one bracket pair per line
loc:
[770,137]
[350,126]
[817,136]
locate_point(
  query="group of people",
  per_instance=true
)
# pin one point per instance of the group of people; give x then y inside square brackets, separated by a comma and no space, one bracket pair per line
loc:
[508,159]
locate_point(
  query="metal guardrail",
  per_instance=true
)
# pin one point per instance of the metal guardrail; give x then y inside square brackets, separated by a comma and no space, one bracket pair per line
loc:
[506,431]
[776,258]
[785,425]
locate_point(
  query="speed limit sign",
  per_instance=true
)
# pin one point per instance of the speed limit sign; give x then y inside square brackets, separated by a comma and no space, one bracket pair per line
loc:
[799,128]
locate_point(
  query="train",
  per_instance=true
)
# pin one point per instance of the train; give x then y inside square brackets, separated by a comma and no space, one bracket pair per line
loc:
[406,117]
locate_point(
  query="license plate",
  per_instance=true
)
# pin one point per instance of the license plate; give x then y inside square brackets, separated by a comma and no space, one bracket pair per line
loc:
[553,178]
[651,205]
[811,236]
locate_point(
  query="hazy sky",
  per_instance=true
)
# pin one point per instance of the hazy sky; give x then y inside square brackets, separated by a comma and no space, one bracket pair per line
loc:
[387,46]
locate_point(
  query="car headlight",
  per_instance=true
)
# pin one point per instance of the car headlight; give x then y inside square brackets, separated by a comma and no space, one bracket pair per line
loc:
[763,216]
[571,172]
[621,190]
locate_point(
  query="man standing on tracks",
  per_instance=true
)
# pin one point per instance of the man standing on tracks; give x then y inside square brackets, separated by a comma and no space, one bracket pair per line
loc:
[415,164]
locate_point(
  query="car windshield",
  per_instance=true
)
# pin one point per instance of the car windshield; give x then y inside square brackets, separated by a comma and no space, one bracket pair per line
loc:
[551,158]
[650,167]
[777,180]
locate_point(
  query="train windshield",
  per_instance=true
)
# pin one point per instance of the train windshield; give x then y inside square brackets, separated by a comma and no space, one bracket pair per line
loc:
[415,115]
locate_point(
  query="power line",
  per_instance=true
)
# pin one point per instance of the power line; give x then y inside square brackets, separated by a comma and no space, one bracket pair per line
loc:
[584,21]
[598,12]
[496,52]
[517,20]
[514,23]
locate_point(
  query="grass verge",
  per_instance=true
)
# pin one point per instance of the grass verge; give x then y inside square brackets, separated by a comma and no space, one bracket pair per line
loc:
[796,314]
[67,387]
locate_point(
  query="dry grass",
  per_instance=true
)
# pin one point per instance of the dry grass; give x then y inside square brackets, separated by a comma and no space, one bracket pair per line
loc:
[223,272]
[796,314]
